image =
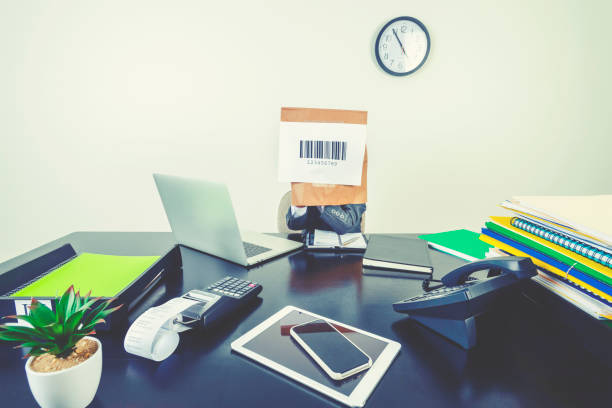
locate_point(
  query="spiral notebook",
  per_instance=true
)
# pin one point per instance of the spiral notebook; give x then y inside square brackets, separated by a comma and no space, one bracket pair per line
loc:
[574,245]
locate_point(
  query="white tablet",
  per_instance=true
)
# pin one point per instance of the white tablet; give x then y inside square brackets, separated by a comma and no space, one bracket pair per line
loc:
[270,344]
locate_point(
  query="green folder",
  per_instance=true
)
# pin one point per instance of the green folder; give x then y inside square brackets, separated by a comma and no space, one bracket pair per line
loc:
[550,252]
[104,275]
[462,243]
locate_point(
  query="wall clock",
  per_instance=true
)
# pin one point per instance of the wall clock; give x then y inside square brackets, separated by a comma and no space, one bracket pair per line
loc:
[402,46]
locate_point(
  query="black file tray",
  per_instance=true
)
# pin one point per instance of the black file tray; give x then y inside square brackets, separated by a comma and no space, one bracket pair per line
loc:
[20,276]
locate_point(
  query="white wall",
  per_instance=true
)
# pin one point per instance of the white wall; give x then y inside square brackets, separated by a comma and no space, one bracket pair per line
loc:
[95,96]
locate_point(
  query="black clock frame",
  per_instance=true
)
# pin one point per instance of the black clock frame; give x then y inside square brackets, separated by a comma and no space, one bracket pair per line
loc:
[382,30]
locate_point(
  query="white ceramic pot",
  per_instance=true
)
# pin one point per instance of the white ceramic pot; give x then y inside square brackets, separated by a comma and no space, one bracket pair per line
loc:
[74,387]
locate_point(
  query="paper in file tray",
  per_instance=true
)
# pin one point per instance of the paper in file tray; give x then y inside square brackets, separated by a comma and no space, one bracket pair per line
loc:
[34,279]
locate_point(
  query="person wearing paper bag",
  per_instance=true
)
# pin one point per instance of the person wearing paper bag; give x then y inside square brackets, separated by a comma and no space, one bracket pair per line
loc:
[333,206]
[341,219]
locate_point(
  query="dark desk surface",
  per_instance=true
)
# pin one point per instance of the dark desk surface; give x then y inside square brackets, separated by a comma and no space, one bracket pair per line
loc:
[523,358]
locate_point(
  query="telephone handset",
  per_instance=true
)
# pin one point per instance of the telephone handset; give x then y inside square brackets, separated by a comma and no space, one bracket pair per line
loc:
[451,308]
[520,267]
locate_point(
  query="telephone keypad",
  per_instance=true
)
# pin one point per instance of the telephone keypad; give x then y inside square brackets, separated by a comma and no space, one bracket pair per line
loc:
[440,292]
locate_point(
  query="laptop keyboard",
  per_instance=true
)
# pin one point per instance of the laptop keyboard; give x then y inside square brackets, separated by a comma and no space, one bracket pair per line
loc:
[252,249]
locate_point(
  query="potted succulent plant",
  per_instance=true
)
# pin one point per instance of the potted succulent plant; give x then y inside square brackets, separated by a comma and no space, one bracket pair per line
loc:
[65,363]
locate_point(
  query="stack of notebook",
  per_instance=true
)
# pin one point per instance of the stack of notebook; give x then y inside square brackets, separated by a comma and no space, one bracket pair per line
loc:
[570,241]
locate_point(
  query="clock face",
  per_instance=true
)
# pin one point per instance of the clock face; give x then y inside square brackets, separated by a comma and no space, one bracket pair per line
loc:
[402,46]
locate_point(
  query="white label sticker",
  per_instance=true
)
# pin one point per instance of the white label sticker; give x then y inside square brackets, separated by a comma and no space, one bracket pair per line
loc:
[22,307]
[324,153]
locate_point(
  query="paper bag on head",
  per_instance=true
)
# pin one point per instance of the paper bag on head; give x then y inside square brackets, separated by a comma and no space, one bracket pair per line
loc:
[328,194]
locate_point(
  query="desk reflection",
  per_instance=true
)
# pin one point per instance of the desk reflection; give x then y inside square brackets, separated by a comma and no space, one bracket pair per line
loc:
[316,271]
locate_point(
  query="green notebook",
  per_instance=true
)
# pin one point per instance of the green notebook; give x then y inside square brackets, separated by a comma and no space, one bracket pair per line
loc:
[461,243]
[104,275]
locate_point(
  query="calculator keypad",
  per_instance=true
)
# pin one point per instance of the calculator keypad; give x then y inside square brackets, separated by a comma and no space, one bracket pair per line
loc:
[232,287]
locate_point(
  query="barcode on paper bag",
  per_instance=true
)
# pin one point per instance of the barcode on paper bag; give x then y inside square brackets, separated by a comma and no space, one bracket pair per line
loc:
[322,149]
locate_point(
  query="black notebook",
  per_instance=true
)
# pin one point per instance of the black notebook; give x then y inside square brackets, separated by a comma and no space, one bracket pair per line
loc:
[397,256]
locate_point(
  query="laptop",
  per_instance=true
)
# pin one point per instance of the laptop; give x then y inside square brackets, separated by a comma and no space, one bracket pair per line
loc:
[201,216]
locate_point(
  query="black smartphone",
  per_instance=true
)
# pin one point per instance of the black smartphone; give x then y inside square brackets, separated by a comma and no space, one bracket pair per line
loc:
[334,352]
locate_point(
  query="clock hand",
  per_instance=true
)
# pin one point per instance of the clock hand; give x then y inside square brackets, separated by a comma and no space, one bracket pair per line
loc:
[398,40]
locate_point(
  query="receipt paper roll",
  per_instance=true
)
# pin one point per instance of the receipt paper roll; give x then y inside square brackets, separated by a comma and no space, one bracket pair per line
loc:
[154,334]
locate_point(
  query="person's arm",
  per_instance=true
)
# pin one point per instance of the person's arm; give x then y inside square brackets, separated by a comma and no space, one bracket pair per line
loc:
[343,218]
[297,217]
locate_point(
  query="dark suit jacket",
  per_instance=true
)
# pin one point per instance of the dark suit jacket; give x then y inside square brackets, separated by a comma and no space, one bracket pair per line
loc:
[338,218]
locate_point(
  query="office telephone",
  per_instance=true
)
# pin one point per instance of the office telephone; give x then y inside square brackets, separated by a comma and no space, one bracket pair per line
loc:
[450,309]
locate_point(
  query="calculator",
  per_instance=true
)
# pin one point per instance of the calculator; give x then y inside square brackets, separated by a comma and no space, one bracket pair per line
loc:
[218,301]
[234,287]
